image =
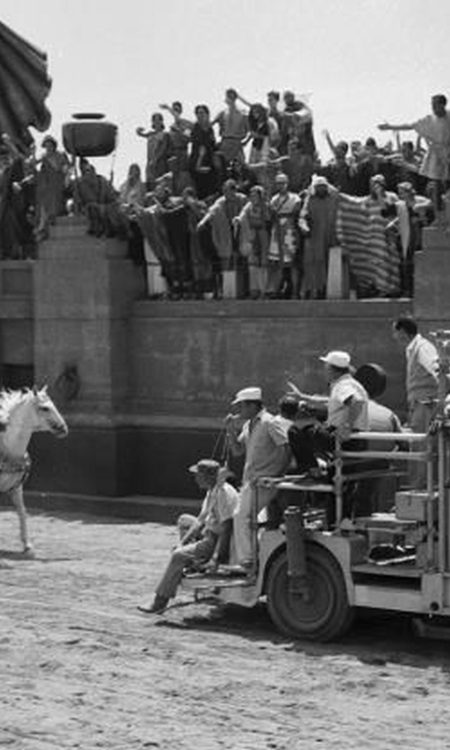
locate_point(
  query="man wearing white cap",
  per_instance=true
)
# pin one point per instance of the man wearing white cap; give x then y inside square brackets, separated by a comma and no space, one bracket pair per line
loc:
[347,411]
[264,441]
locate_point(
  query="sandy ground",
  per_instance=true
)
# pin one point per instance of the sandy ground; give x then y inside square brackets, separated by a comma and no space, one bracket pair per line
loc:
[82,668]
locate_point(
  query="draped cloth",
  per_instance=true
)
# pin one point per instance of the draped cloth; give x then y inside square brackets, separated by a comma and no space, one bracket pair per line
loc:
[363,232]
[154,230]
[24,86]
[166,229]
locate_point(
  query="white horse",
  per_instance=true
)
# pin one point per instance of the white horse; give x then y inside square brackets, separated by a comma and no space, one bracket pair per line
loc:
[21,414]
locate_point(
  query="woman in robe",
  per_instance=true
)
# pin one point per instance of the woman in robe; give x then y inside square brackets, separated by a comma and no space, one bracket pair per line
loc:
[365,232]
[263,134]
[413,213]
[254,236]
[158,149]
[131,197]
[379,203]
[51,185]
[284,240]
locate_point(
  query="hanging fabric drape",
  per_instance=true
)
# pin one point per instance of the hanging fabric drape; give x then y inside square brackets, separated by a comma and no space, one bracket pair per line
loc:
[24,86]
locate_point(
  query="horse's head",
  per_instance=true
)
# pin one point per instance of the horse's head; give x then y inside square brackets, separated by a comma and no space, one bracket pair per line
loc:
[46,417]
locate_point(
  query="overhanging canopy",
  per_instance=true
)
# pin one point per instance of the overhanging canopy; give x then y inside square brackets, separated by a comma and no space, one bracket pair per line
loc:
[24,86]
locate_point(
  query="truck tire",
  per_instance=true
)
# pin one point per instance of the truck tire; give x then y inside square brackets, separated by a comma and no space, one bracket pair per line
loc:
[326,615]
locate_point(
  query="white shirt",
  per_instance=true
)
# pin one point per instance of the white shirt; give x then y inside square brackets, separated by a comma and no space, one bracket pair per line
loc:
[266,446]
[218,506]
[425,353]
[347,406]
[382,419]
[436,131]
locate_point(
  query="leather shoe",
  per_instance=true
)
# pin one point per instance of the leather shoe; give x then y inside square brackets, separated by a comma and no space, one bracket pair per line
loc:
[157,607]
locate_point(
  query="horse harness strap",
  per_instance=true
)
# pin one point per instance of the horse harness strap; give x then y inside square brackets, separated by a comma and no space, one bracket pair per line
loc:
[19,466]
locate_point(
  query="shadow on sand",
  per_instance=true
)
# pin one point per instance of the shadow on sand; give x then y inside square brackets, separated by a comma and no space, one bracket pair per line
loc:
[375,638]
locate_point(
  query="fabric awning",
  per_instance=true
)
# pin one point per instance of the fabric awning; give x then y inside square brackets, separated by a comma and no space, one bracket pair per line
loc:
[24,86]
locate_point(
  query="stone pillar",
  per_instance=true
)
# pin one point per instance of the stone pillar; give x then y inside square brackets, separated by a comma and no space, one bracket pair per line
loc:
[84,289]
[432,280]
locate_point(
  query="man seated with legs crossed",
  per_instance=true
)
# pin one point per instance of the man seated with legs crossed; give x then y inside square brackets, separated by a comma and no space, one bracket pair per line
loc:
[205,539]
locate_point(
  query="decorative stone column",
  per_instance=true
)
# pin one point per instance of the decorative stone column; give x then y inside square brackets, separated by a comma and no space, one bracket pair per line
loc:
[84,288]
[83,294]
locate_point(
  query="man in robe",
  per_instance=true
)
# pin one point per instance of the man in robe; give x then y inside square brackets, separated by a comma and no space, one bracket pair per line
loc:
[318,223]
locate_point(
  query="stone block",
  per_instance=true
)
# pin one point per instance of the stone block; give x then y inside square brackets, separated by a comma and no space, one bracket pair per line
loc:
[432,284]
[16,278]
[84,288]
[84,344]
[16,342]
[431,278]
[87,461]
[192,364]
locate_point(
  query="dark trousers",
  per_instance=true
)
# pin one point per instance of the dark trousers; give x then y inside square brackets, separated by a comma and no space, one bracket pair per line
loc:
[307,444]
[317,441]
[310,442]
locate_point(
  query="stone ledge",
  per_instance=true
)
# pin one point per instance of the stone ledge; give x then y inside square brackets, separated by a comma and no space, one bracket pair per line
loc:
[90,419]
[271,309]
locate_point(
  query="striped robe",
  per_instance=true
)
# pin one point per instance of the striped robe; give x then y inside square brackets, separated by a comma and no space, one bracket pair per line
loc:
[373,256]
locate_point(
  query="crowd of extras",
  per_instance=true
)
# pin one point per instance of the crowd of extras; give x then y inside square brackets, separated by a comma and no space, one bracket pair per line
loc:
[243,190]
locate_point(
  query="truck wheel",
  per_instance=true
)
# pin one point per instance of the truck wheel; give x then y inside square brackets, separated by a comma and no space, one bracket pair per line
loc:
[326,614]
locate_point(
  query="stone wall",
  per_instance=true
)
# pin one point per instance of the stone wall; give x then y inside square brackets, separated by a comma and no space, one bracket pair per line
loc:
[189,358]
[16,322]
[186,360]
[157,377]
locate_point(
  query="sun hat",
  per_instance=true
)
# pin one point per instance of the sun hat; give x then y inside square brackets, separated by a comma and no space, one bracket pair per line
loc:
[206,466]
[248,394]
[337,359]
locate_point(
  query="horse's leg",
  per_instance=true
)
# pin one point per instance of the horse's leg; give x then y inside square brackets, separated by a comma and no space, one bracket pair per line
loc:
[17,498]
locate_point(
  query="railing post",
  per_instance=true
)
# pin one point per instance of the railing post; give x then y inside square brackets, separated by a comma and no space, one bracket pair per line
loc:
[338,481]
[296,551]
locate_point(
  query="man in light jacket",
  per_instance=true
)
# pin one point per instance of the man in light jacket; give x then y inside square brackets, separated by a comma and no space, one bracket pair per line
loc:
[422,377]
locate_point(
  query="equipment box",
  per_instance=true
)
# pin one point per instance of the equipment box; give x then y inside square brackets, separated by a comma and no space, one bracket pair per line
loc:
[412,505]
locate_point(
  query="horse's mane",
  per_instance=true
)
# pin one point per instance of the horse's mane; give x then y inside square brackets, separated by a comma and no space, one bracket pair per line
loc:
[10,399]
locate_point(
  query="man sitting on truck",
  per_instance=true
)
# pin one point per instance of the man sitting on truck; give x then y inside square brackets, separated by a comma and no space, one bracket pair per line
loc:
[207,538]
[346,413]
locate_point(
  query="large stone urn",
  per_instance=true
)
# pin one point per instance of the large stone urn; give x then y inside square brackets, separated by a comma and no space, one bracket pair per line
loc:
[89,135]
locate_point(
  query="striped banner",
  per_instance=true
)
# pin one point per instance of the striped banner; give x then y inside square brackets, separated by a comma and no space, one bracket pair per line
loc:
[373,255]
